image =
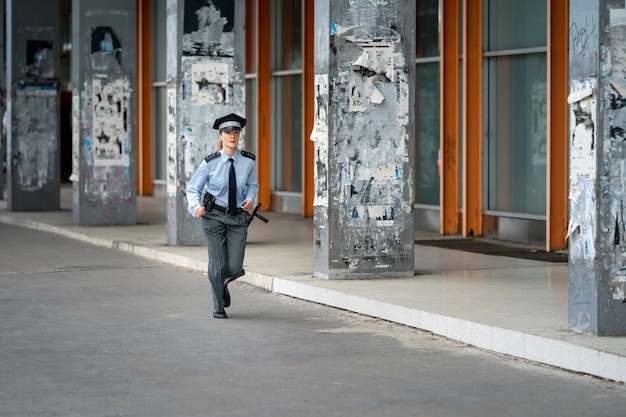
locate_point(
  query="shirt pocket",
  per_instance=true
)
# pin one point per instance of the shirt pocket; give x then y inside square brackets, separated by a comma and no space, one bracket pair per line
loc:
[218,182]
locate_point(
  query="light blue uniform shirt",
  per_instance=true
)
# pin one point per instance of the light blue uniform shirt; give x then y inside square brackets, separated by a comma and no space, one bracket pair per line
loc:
[214,176]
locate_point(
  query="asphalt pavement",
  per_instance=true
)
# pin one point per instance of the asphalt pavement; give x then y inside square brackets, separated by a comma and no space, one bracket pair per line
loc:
[513,306]
[91,331]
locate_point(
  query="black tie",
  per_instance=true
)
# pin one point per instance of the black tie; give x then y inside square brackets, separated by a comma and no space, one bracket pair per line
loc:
[232,189]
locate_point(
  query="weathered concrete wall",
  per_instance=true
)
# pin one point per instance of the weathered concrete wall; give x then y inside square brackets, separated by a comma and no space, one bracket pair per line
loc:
[3,86]
[206,80]
[103,112]
[364,66]
[33,159]
[597,244]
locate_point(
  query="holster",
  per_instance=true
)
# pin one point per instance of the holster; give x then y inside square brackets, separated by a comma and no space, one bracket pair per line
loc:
[207,201]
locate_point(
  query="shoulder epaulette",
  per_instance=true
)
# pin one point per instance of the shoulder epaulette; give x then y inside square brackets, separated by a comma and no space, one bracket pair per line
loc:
[213,155]
[248,155]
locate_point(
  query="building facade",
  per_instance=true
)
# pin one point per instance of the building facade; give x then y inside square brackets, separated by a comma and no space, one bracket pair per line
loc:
[489,124]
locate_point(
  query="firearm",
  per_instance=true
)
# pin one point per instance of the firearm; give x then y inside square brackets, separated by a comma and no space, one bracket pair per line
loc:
[255,213]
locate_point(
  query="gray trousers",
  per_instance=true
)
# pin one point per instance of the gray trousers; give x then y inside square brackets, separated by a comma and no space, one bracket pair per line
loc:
[226,240]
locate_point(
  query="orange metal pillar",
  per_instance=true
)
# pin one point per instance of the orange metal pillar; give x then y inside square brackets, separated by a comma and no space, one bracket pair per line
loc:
[557,187]
[449,118]
[264,103]
[472,117]
[144,97]
[308,79]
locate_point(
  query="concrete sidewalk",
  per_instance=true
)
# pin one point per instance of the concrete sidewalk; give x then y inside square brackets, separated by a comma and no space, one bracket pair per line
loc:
[511,306]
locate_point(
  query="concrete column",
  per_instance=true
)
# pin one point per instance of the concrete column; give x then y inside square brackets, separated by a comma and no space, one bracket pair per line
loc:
[103,112]
[3,61]
[597,160]
[33,157]
[205,80]
[363,133]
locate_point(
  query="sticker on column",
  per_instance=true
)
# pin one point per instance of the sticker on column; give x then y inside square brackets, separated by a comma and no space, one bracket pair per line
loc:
[209,83]
[384,215]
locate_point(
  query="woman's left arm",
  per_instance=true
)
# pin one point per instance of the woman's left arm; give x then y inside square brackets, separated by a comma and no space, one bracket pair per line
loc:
[252,185]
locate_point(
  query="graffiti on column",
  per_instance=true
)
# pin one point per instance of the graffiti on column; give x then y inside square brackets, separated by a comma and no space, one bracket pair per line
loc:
[208,27]
[583,45]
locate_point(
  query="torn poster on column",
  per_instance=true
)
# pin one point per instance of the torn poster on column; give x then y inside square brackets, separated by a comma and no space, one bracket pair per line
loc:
[110,122]
[319,135]
[320,127]
[378,59]
[374,65]
[582,100]
[209,83]
[363,92]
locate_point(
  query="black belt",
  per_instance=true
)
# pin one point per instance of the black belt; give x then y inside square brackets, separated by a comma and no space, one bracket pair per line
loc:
[226,212]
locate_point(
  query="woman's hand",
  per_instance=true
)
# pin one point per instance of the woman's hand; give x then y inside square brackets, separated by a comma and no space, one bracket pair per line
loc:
[199,211]
[247,205]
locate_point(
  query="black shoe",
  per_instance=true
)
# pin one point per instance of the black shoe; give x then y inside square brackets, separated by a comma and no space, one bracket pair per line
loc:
[220,315]
[226,297]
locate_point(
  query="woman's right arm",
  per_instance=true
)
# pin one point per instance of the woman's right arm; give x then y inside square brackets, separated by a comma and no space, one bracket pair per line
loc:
[194,190]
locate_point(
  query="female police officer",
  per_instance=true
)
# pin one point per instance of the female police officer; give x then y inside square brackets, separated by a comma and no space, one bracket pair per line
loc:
[230,176]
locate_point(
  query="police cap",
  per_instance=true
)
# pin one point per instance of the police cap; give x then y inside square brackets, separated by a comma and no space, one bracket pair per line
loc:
[230,122]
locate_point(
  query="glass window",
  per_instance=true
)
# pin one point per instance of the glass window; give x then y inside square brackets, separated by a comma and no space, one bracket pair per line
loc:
[515,24]
[251,80]
[427,29]
[287,35]
[517,131]
[287,134]
[427,103]
[251,29]
[251,116]
[159,91]
[427,133]
[287,96]
[514,151]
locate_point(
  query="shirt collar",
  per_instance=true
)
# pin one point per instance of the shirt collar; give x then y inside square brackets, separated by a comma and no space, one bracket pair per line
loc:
[225,156]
